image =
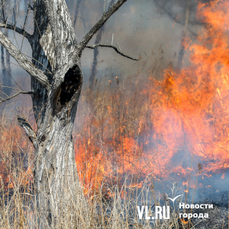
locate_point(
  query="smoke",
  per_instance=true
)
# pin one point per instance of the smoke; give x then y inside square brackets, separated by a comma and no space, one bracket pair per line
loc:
[152,30]
[138,29]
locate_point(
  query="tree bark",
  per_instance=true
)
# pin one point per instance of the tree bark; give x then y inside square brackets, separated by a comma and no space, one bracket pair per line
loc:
[56,82]
[56,178]
[59,195]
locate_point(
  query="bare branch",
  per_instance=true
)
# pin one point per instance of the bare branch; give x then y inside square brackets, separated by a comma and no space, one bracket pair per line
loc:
[23,61]
[99,24]
[30,7]
[113,47]
[18,93]
[16,29]
[28,130]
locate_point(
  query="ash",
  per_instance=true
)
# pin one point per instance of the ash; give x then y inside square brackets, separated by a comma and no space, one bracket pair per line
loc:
[218,218]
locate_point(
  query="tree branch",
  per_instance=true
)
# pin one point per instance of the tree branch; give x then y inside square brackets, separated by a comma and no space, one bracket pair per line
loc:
[28,130]
[99,24]
[23,61]
[18,93]
[17,29]
[30,7]
[113,47]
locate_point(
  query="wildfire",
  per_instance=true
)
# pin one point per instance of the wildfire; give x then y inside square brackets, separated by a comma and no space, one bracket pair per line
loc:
[184,115]
[160,127]
[14,150]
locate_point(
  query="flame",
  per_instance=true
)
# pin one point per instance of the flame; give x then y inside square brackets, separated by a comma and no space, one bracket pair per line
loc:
[155,128]
[183,116]
[223,176]
[184,221]
[13,147]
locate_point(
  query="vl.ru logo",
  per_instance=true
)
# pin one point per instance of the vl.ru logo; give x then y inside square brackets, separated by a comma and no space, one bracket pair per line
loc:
[157,213]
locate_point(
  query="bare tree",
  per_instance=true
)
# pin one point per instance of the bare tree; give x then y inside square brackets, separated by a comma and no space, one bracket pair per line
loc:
[76,12]
[56,82]
[183,13]
[184,36]
[96,51]
[5,61]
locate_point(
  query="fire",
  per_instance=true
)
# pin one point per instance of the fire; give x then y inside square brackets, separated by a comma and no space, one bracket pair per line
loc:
[155,128]
[185,115]
[14,148]
[184,221]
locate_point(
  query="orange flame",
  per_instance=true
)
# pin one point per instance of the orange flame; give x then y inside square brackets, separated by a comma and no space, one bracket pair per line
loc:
[186,113]
[156,129]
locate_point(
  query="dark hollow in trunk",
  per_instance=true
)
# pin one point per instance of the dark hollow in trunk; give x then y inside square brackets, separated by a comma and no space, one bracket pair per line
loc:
[72,81]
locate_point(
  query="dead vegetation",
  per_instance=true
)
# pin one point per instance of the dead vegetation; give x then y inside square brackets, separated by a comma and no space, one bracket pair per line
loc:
[113,198]
[109,168]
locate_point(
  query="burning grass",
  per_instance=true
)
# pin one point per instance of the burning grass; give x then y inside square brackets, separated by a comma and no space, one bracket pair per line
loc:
[158,127]
[109,205]
[138,130]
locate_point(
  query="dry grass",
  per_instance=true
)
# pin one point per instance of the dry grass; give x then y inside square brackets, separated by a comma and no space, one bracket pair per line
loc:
[112,143]
[112,200]
[118,211]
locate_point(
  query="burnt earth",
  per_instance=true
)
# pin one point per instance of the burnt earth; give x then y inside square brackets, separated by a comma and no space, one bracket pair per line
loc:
[218,218]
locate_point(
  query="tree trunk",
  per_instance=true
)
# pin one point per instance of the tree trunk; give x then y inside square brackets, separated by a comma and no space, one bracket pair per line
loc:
[184,37]
[56,82]
[57,184]
[5,60]
[96,54]
[59,195]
